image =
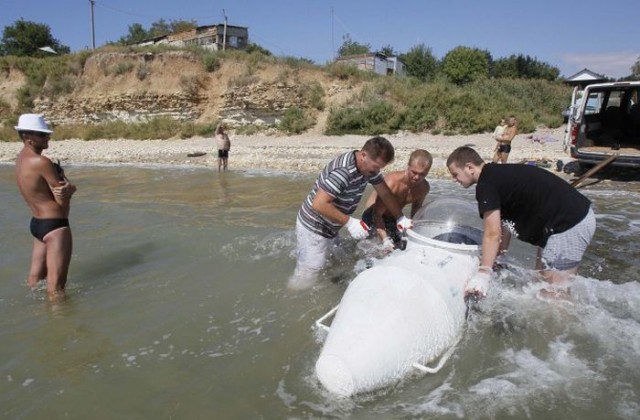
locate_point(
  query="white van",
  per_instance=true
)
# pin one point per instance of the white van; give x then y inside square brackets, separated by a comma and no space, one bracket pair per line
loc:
[605,122]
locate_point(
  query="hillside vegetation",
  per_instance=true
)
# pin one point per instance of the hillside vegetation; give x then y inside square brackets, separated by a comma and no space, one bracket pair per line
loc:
[143,93]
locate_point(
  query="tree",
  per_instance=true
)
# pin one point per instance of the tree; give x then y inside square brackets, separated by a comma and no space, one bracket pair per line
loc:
[351,47]
[635,69]
[255,48]
[161,27]
[136,34]
[463,64]
[25,38]
[420,62]
[524,67]
[388,51]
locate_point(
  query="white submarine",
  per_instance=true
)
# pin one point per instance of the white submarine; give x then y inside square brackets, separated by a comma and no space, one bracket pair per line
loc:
[406,311]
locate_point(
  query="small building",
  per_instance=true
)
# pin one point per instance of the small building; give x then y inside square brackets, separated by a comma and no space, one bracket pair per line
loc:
[215,37]
[584,77]
[376,62]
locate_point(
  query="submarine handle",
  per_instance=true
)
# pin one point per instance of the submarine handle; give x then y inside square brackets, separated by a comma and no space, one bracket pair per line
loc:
[319,322]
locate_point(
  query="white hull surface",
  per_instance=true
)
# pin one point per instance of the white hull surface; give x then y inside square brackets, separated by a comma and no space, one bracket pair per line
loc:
[404,312]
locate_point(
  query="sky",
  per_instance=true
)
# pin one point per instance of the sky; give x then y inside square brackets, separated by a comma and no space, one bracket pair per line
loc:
[570,35]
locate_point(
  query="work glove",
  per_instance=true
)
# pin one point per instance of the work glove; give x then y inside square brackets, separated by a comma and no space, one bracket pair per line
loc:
[388,245]
[479,284]
[404,223]
[357,228]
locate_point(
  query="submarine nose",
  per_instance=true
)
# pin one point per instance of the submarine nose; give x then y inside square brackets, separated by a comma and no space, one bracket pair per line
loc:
[335,375]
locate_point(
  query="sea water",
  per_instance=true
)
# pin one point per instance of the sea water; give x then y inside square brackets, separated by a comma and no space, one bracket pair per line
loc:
[177,308]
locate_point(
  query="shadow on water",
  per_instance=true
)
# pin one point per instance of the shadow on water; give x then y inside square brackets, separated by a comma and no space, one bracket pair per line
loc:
[114,262]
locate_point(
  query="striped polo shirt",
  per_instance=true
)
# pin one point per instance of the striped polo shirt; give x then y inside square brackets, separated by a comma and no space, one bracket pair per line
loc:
[342,181]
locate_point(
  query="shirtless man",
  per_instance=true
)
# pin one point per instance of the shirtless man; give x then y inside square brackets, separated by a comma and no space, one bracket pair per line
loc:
[408,186]
[224,145]
[503,148]
[48,192]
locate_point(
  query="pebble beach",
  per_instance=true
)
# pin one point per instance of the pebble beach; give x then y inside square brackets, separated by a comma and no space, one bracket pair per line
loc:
[304,153]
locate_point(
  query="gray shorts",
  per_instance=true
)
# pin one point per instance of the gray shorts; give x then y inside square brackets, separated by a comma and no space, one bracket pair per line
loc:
[564,250]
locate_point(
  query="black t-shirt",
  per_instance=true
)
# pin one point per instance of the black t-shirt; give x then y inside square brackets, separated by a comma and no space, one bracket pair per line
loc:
[533,203]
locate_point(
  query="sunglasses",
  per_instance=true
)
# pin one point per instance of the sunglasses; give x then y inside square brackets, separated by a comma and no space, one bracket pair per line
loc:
[38,134]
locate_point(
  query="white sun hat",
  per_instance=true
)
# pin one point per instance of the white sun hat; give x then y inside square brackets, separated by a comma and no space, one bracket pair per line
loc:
[32,122]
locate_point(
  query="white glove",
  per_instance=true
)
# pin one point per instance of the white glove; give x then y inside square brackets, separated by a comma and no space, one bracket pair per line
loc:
[388,245]
[404,223]
[357,228]
[478,285]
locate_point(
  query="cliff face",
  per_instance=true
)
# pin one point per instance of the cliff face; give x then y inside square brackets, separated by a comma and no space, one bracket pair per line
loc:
[135,87]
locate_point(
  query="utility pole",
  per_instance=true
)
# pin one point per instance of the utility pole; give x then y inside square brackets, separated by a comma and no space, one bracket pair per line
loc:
[333,48]
[224,32]
[93,27]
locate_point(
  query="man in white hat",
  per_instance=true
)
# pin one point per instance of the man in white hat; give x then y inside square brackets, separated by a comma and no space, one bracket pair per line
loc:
[48,193]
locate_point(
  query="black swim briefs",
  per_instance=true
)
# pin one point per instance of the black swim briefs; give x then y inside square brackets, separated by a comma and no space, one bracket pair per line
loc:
[504,148]
[223,153]
[41,227]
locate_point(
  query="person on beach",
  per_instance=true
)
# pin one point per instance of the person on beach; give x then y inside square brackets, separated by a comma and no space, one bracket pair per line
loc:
[531,204]
[408,186]
[331,201]
[48,193]
[224,145]
[503,146]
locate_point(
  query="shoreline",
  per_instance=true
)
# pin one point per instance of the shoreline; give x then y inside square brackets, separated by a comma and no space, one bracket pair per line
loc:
[305,153]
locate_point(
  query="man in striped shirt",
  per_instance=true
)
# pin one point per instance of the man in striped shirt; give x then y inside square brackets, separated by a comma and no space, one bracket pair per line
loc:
[330,203]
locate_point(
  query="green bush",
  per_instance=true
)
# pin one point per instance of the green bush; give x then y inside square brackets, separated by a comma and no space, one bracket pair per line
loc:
[420,115]
[449,108]
[210,61]
[206,130]
[191,84]
[5,109]
[250,129]
[342,71]
[295,121]
[375,118]
[123,68]
[7,133]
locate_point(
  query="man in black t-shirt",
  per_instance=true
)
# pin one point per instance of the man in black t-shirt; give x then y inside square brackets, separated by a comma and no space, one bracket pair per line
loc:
[530,203]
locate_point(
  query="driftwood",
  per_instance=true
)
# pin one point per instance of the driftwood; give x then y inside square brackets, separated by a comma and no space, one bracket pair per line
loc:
[593,170]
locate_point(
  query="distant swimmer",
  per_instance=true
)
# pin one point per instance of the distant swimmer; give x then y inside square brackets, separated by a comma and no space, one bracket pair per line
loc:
[48,193]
